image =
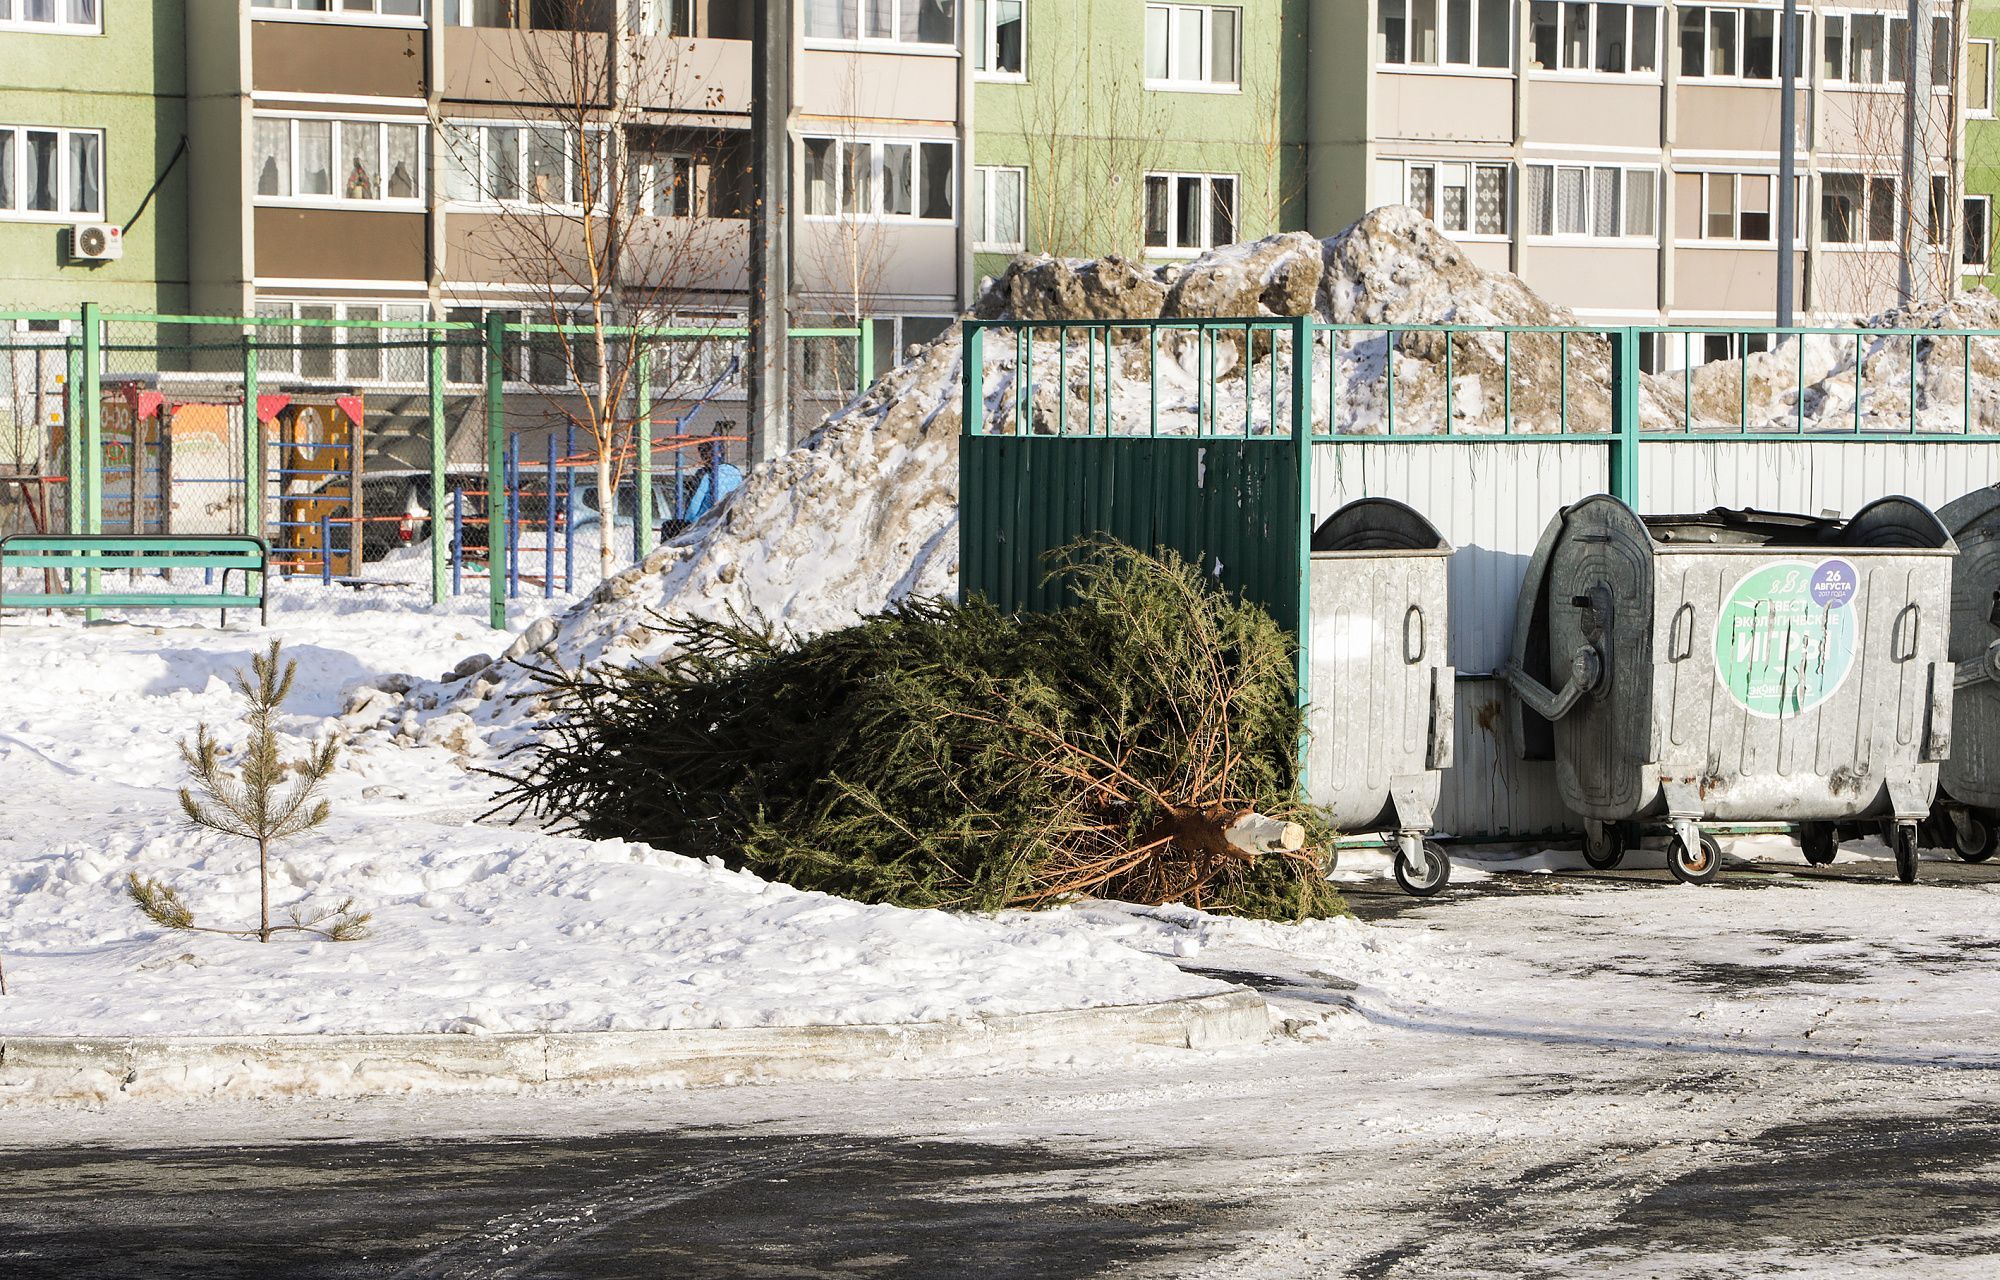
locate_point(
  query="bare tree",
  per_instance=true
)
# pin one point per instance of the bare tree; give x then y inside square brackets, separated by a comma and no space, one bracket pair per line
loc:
[606,194]
[1091,134]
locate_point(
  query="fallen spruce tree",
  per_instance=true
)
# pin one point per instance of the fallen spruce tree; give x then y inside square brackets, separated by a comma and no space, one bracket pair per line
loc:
[940,755]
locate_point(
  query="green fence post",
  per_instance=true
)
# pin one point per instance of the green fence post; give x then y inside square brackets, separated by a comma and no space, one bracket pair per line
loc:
[75,500]
[253,441]
[440,551]
[496,470]
[1302,364]
[91,391]
[864,354]
[971,410]
[643,436]
[1624,478]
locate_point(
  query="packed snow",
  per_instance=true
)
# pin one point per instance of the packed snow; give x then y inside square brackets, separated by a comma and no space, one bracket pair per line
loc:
[478,928]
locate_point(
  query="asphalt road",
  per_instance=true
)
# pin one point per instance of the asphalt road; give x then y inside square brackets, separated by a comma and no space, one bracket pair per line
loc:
[1379,1148]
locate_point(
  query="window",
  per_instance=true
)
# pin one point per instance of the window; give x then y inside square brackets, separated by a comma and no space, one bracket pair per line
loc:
[886,178]
[1979,78]
[1733,44]
[1601,202]
[340,10]
[537,165]
[299,157]
[1978,214]
[1461,198]
[999,207]
[322,352]
[1725,206]
[1608,39]
[1187,211]
[895,21]
[53,17]
[58,172]
[661,184]
[1840,198]
[999,37]
[1882,210]
[1874,49]
[661,17]
[1194,46]
[1474,33]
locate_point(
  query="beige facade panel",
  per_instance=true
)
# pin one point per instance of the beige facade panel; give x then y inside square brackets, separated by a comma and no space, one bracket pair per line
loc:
[1487,255]
[1444,107]
[326,57]
[339,244]
[1606,114]
[701,75]
[1594,278]
[1871,124]
[1723,117]
[1715,281]
[499,64]
[906,261]
[679,256]
[882,90]
[509,249]
[1856,282]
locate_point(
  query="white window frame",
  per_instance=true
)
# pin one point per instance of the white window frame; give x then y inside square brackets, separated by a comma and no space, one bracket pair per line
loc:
[484,126]
[17,210]
[982,241]
[1808,46]
[272,308]
[658,18]
[1206,239]
[1988,44]
[874,212]
[1406,169]
[989,39]
[930,48]
[1735,178]
[1207,84]
[1985,203]
[14,20]
[337,12]
[1524,218]
[338,197]
[644,187]
[1864,214]
[1445,64]
[1890,82]
[1590,71]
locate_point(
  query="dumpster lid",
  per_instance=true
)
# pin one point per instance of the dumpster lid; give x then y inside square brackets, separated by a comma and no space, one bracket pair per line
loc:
[1890,523]
[1378,524]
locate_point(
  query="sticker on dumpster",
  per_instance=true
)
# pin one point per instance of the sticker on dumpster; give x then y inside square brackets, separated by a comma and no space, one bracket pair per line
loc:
[1784,642]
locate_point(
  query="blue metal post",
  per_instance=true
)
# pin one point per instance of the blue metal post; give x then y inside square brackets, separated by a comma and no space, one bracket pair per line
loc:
[569,512]
[326,549]
[549,533]
[457,540]
[513,501]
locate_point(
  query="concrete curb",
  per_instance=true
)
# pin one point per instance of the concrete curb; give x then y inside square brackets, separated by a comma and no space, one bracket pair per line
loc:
[37,1069]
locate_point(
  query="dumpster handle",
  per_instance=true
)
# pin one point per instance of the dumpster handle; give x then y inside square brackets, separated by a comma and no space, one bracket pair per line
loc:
[1677,651]
[1896,651]
[1586,668]
[1416,613]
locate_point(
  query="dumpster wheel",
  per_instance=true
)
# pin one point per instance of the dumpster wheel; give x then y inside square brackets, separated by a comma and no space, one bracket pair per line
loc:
[1434,875]
[1906,852]
[1603,844]
[1974,841]
[1696,867]
[1819,841]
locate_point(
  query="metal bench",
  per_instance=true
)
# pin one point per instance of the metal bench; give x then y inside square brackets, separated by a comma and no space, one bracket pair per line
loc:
[84,556]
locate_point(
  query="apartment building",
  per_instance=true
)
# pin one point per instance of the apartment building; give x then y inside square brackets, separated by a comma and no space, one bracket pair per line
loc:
[1981,138]
[1622,157]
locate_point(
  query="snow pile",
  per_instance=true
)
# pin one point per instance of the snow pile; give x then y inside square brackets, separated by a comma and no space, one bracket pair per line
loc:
[477,929]
[865,512]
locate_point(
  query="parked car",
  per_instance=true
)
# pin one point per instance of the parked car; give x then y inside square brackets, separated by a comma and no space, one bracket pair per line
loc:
[397,509]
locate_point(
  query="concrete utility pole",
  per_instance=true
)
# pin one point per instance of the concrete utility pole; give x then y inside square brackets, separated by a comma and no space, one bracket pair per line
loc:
[1788,128]
[770,406]
[1913,257]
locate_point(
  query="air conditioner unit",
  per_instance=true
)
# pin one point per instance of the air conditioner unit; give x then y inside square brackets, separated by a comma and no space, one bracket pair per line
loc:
[96,242]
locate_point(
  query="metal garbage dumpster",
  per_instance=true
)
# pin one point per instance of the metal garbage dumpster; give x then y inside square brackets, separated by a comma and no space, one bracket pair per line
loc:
[1380,693]
[1970,782]
[1737,666]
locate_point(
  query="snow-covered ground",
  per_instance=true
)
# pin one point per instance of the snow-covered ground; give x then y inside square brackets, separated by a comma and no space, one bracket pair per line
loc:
[478,928]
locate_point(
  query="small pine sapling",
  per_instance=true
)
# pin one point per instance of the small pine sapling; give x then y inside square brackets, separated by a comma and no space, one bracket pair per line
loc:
[253,802]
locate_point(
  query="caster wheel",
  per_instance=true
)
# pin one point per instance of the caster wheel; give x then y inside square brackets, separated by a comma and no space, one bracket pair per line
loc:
[1425,880]
[1975,842]
[1604,845]
[1820,841]
[1694,866]
[1906,853]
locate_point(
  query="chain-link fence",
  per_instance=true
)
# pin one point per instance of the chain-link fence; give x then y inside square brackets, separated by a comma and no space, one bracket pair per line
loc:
[384,459]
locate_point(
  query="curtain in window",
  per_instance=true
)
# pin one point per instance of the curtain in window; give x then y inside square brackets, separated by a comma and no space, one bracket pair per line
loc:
[271,147]
[362,148]
[1570,203]
[832,19]
[1489,200]
[42,164]
[1641,200]
[404,162]
[1604,202]
[86,173]
[937,180]
[898,178]
[315,157]
[6,168]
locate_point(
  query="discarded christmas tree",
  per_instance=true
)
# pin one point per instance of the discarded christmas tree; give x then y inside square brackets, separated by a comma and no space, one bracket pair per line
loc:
[253,802]
[955,756]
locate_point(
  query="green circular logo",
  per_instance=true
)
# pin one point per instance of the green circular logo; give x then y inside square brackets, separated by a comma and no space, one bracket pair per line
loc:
[1784,642]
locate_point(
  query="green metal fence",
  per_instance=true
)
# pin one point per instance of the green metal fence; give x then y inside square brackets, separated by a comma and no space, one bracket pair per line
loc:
[190,424]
